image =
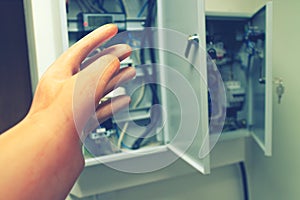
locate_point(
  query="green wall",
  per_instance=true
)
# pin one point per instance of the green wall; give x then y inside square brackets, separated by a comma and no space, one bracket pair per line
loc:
[278,177]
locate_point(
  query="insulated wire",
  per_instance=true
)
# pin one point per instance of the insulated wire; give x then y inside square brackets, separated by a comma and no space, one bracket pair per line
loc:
[86,5]
[125,7]
[92,6]
[244,180]
[122,134]
[121,2]
[100,6]
[155,99]
[142,9]
[89,6]
[81,7]
[136,103]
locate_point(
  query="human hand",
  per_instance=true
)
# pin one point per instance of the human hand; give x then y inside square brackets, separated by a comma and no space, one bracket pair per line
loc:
[43,151]
[65,91]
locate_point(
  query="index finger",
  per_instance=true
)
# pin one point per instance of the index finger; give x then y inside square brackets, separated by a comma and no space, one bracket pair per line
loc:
[72,58]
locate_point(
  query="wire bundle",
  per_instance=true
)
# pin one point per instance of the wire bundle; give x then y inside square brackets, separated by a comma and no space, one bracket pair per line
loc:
[97,6]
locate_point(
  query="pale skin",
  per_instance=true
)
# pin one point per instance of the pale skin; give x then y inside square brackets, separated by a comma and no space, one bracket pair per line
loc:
[41,157]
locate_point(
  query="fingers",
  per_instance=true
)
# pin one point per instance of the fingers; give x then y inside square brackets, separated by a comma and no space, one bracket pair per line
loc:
[91,82]
[121,51]
[121,77]
[106,110]
[109,107]
[89,86]
[69,62]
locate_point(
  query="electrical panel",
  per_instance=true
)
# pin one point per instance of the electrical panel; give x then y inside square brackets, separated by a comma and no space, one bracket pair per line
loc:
[90,21]
[227,47]
[83,16]
[240,47]
[238,77]
[115,135]
[237,52]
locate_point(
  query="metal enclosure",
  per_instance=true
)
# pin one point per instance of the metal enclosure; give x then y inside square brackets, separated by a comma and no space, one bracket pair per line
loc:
[243,56]
[261,99]
[189,60]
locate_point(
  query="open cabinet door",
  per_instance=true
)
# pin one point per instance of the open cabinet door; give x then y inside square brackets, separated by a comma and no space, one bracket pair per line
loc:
[261,79]
[182,28]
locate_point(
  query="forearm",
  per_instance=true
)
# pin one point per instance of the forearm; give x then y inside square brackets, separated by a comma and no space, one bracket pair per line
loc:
[41,158]
[39,162]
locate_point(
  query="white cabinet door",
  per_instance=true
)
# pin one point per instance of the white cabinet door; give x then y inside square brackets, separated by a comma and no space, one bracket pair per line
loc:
[182,40]
[261,81]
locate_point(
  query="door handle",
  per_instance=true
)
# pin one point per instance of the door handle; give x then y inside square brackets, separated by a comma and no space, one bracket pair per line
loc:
[192,39]
[195,37]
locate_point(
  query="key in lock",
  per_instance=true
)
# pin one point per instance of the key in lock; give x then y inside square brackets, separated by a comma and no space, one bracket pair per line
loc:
[279,89]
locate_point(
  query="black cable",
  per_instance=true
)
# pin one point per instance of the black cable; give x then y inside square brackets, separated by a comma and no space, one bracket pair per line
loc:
[81,6]
[155,100]
[156,115]
[122,7]
[149,23]
[94,7]
[86,5]
[244,180]
[100,6]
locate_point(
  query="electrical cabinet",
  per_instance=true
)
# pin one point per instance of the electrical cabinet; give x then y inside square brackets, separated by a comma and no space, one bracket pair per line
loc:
[161,118]
[241,48]
[238,76]
[200,79]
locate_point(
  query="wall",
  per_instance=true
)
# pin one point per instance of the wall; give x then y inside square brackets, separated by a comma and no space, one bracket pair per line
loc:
[278,177]
[222,183]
